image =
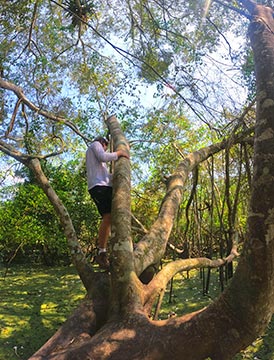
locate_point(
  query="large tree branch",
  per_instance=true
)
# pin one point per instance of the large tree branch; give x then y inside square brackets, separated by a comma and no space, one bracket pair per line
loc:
[78,257]
[126,287]
[154,243]
[231,7]
[21,96]
[22,157]
[160,281]
[10,151]
[80,262]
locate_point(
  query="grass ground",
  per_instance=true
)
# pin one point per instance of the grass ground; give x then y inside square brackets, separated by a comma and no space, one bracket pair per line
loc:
[35,301]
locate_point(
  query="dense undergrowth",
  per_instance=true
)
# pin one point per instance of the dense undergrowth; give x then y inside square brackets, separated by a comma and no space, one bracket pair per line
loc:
[35,301]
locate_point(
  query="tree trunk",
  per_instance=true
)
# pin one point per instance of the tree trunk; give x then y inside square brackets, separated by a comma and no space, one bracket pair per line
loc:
[243,311]
[128,332]
[126,288]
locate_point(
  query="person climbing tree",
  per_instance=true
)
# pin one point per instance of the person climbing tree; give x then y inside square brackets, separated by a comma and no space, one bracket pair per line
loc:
[100,188]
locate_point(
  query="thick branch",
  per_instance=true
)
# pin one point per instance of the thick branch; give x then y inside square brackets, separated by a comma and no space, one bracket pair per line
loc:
[10,151]
[154,243]
[125,284]
[20,94]
[161,280]
[78,257]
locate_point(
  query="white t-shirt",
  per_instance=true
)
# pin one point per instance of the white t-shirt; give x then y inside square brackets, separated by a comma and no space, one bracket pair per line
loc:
[97,172]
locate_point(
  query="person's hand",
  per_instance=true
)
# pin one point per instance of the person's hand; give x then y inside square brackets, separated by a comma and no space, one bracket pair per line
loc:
[122,153]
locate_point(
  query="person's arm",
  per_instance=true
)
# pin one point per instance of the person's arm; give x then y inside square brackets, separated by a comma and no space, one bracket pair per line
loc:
[104,156]
[101,154]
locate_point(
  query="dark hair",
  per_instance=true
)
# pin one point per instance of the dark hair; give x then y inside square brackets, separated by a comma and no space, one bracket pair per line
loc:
[102,140]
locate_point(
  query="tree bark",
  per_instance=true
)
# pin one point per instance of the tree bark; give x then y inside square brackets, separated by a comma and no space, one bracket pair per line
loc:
[239,315]
[126,288]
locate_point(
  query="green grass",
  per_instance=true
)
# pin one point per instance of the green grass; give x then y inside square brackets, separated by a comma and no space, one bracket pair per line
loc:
[187,295]
[35,301]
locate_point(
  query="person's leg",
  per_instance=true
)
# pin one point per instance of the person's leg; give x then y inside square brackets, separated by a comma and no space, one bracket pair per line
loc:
[103,235]
[104,231]
[102,196]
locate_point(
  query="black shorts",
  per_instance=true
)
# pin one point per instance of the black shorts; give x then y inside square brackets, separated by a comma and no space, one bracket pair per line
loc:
[102,196]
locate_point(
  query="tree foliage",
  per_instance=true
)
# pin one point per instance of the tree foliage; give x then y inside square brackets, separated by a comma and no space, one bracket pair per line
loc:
[30,230]
[174,75]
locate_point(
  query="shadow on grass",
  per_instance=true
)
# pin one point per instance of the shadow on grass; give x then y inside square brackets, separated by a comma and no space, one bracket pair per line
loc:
[34,303]
[187,294]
